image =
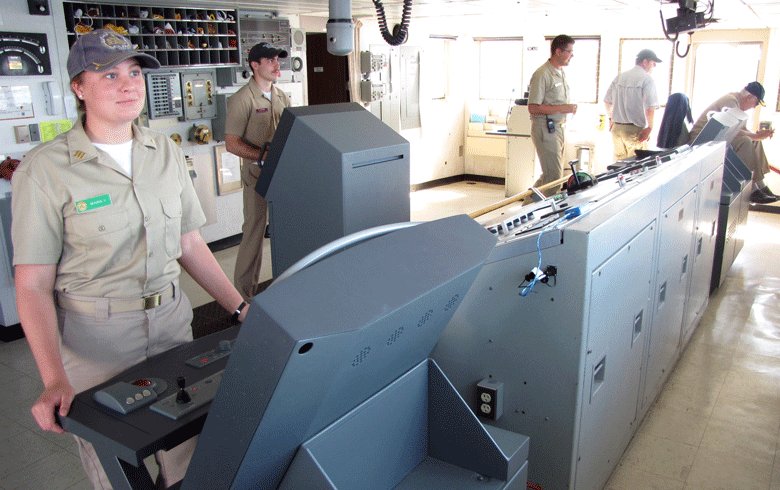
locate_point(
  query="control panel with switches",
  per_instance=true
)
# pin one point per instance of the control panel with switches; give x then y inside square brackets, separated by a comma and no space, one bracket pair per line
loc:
[198,93]
[212,355]
[157,404]
[126,397]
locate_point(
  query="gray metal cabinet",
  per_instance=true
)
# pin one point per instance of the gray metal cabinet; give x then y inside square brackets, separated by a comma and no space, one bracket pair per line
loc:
[614,357]
[582,356]
[676,233]
[703,251]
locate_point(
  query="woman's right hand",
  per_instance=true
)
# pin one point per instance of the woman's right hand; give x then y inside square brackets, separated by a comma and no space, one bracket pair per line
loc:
[61,395]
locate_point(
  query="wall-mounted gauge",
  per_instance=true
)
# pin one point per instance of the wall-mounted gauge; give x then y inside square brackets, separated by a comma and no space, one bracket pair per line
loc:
[24,53]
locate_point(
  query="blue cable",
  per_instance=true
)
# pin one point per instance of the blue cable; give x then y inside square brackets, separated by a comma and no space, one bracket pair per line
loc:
[571,213]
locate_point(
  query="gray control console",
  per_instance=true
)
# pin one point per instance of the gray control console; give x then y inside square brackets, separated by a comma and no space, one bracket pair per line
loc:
[200,393]
[224,349]
[127,397]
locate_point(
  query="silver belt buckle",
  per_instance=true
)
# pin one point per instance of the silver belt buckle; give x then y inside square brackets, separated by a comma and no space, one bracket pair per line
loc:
[152,301]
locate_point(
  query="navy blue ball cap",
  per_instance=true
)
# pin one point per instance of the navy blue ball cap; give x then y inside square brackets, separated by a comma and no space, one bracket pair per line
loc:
[265,50]
[756,89]
[103,49]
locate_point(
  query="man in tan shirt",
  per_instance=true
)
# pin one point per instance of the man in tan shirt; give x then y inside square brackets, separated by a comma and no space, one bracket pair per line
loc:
[252,116]
[549,101]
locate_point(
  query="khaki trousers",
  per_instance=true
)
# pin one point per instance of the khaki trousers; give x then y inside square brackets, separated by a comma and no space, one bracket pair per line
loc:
[549,148]
[94,351]
[250,252]
[625,138]
[752,154]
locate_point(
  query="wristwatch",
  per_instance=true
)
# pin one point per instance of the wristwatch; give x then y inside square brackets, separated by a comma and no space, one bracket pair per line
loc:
[237,313]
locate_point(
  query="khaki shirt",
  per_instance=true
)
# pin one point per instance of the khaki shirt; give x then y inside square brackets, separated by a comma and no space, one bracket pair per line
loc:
[550,88]
[109,234]
[728,100]
[253,117]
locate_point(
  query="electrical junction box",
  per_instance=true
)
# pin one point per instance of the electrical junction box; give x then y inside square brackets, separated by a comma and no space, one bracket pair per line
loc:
[490,399]
[372,62]
[198,95]
[370,91]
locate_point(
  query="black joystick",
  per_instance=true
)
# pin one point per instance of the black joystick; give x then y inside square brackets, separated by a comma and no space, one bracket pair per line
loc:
[182,396]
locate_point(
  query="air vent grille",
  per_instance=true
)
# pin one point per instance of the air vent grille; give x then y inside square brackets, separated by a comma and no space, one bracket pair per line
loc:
[395,336]
[361,356]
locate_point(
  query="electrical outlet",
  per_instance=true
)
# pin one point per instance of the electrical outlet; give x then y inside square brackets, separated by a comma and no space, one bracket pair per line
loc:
[490,399]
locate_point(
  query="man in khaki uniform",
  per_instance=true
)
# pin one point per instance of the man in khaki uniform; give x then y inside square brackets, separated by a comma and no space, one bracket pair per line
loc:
[548,103]
[252,115]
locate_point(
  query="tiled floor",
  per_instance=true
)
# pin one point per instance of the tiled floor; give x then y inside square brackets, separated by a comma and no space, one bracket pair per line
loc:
[716,425]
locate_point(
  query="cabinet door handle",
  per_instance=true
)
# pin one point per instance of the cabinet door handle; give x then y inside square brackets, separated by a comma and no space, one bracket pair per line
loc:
[637,327]
[597,381]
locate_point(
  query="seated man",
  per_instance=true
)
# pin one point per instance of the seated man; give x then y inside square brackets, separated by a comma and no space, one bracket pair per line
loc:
[747,145]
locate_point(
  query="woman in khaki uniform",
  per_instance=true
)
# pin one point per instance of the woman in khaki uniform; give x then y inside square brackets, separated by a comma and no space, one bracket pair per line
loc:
[102,214]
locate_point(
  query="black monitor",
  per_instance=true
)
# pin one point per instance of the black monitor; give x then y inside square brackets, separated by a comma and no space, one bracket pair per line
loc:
[324,340]
[331,170]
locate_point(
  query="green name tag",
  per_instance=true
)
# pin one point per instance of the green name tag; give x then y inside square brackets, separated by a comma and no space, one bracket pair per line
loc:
[93,203]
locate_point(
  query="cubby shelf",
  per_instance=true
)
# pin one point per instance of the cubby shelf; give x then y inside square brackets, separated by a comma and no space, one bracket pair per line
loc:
[176,36]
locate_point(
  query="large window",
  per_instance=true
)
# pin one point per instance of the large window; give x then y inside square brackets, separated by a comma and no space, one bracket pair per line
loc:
[662,73]
[710,84]
[500,68]
[582,74]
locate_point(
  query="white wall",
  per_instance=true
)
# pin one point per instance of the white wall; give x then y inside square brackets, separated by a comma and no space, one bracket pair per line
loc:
[436,147]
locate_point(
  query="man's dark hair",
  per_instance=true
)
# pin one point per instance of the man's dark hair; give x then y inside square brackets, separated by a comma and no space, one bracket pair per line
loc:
[560,42]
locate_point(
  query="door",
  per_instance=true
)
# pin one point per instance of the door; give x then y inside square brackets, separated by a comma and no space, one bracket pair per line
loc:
[327,74]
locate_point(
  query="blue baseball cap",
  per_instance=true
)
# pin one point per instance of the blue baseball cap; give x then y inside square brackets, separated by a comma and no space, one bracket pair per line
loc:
[756,89]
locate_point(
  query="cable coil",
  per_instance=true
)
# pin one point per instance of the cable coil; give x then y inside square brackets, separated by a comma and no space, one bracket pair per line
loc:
[400,37]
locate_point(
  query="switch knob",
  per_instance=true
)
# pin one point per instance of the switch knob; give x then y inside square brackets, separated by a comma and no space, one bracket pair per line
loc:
[182,396]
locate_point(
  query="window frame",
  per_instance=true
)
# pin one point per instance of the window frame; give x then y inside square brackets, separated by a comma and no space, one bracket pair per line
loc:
[445,39]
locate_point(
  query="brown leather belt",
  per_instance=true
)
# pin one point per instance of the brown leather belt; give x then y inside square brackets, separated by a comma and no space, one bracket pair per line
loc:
[116,305]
